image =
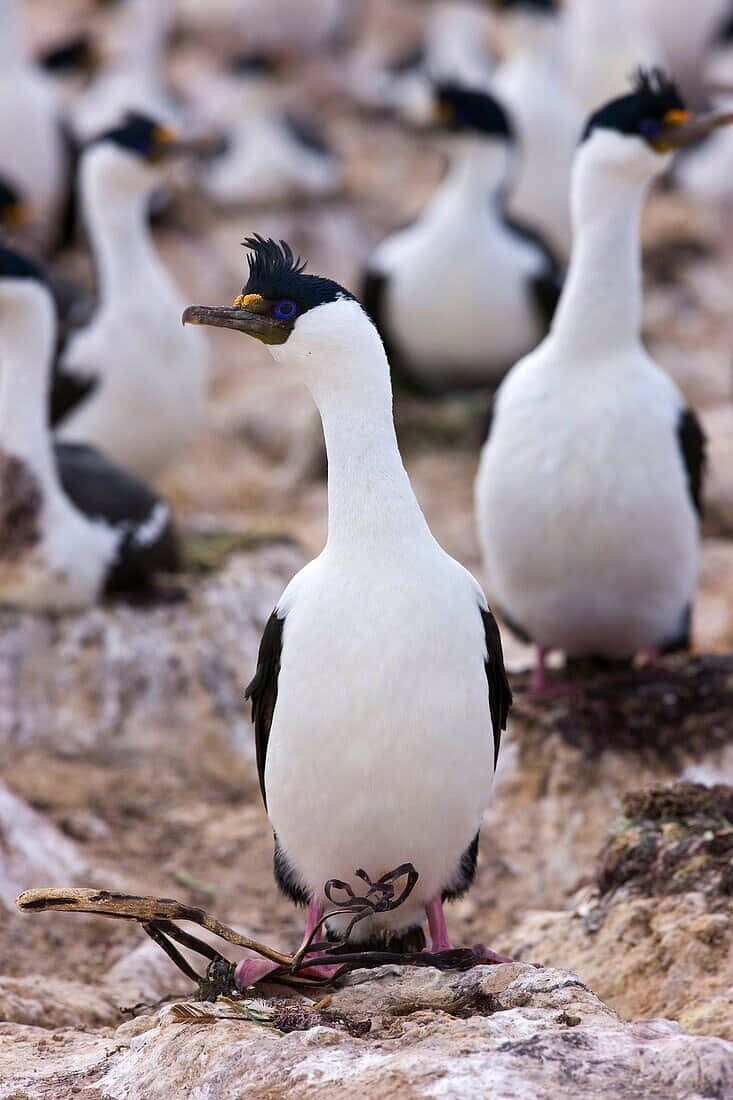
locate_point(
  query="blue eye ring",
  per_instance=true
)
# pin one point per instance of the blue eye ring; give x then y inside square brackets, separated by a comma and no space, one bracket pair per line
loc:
[650,128]
[285,310]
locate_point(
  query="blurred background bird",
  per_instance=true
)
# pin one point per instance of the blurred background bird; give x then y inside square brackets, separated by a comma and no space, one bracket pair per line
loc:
[463,243]
[128,382]
[589,488]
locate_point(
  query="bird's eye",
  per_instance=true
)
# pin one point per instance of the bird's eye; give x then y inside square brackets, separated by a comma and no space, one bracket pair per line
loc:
[650,128]
[285,310]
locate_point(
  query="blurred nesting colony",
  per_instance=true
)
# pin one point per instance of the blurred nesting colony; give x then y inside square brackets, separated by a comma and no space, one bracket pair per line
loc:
[141,140]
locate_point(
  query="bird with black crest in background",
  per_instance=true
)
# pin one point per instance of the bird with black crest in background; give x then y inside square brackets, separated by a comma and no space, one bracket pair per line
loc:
[380,693]
[461,293]
[130,382]
[589,487]
[271,155]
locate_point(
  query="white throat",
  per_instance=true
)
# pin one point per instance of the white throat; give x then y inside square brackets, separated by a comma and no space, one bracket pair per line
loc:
[370,499]
[601,301]
[115,199]
[478,170]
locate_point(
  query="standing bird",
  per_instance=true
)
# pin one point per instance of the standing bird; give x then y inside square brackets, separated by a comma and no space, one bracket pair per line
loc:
[455,48]
[532,83]
[588,490]
[130,382]
[72,525]
[270,156]
[380,692]
[132,77]
[33,155]
[498,282]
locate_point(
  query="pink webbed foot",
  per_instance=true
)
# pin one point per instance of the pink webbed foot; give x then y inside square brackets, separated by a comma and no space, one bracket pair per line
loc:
[250,971]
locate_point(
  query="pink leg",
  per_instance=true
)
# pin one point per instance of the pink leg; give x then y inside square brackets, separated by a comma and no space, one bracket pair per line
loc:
[539,683]
[439,939]
[250,971]
[315,914]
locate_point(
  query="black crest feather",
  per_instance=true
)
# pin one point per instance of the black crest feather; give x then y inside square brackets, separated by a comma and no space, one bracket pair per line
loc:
[642,111]
[269,260]
[276,272]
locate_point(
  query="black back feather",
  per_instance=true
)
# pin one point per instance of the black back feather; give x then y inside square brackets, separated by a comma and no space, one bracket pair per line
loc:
[500,693]
[262,690]
[693,445]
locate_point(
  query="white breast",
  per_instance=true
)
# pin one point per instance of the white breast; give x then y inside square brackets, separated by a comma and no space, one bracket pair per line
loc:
[586,523]
[458,296]
[152,387]
[265,163]
[382,721]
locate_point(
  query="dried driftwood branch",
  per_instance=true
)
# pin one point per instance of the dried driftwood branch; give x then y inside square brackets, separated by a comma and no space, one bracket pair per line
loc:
[157,917]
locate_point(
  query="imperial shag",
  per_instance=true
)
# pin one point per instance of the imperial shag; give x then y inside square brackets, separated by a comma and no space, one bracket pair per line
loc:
[380,692]
[589,486]
[130,382]
[464,291]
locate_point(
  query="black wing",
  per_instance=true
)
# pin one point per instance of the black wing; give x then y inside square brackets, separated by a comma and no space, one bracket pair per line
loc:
[693,445]
[67,391]
[104,491]
[500,694]
[546,286]
[262,690]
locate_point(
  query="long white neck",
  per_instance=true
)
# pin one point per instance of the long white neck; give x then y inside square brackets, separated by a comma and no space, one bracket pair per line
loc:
[27,337]
[478,170]
[601,301]
[116,216]
[370,499]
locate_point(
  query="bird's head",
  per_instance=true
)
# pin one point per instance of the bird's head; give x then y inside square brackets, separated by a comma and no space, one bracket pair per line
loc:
[457,110]
[133,154]
[14,211]
[307,321]
[260,65]
[637,133]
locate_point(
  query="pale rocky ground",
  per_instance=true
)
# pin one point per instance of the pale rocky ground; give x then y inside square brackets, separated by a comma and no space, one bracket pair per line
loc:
[127,758]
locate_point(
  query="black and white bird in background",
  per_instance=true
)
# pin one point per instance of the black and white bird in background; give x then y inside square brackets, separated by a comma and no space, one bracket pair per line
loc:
[131,382]
[271,155]
[130,75]
[380,693]
[455,47]
[33,151]
[589,486]
[464,291]
[73,526]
